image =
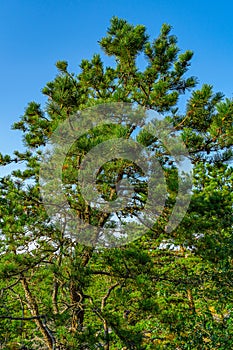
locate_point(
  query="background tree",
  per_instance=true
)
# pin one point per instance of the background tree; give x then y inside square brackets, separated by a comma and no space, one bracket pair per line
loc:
[162,290]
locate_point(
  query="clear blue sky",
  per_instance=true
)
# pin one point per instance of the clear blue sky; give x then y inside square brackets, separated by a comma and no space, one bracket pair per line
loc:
[36,34]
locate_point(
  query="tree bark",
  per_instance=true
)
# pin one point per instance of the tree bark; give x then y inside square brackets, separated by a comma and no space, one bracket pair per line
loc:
[78,310]
[32,306]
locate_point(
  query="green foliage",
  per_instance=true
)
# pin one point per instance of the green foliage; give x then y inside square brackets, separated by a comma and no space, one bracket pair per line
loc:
[162,290]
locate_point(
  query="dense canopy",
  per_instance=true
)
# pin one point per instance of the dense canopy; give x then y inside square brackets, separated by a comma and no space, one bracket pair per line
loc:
[170,290]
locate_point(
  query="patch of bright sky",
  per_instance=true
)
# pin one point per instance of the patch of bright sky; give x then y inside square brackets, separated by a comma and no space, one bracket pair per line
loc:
[36,34]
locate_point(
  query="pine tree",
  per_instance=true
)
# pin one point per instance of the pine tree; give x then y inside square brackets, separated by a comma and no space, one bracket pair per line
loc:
[163,290]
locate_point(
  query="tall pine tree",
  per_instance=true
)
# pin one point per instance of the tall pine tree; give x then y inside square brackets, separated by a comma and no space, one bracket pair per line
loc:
[163,290]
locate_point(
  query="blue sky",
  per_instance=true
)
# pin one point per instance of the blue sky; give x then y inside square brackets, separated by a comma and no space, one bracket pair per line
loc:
[36,34]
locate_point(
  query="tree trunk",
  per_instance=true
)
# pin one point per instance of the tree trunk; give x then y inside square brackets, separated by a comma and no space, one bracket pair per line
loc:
[106,336]
[191,302]
[32,306]
[78,310]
